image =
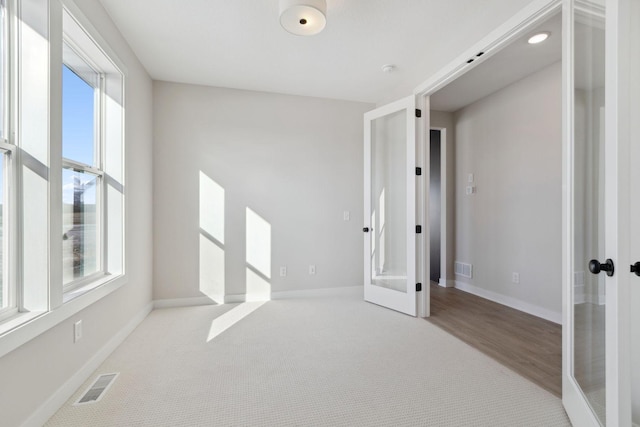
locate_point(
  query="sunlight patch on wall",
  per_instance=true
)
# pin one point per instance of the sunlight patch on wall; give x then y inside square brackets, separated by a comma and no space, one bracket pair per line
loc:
[211,270]
[258,243]
[258,271]
[258,289]
[212,256]
[211,207]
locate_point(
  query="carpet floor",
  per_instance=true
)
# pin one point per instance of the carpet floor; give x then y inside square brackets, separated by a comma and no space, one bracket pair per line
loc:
[306,362]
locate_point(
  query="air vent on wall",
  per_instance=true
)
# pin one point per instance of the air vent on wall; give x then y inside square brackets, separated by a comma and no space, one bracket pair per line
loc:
[99,387]
[463,269]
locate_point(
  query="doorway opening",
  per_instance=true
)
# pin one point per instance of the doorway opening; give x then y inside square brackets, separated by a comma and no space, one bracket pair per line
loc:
[435,205]
[503,124]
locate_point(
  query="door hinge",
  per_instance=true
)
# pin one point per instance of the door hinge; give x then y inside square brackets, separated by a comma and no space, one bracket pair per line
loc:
[418,287]
[418,171]
[418,112]
[418,229]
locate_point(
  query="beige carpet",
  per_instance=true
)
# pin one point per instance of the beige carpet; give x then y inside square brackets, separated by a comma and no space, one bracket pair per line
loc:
[315,362]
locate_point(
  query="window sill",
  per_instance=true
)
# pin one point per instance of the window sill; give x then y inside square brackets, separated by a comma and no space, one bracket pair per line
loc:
[23,327]
[100,280]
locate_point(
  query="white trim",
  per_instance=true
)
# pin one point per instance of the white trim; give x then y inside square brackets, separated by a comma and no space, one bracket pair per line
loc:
[48,408]
[182,302]
[404,302]
[447,283]
[495,41]
[320,293]
[30,328]
[238,298]
[544,313]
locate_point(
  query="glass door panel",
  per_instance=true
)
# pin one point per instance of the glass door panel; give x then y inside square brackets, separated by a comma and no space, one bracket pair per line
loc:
[589,306]
[390,206]
[388,201]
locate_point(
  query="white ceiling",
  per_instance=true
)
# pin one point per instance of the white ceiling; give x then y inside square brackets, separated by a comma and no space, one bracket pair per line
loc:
[514,62]
[240,44]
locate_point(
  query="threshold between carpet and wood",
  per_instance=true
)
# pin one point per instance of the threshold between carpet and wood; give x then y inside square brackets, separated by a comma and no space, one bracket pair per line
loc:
[306,362]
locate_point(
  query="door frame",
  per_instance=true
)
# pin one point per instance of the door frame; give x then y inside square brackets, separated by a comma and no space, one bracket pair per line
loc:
[618,49]
[518,25]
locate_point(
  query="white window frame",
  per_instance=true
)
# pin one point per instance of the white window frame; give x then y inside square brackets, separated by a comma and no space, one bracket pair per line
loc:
[8,153]
[37,31]
[95,169]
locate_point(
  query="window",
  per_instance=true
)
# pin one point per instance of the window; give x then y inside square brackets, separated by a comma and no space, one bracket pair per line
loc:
[5,297]
[81,174]
[7,290]
[62,198]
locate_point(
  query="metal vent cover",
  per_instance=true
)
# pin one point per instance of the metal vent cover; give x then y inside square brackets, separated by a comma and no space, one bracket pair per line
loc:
[463,269]
[96,390]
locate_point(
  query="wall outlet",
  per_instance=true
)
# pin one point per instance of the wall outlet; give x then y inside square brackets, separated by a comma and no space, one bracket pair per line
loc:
[77,331]
[515,278]
[312,270]
[283,271]
[346,215]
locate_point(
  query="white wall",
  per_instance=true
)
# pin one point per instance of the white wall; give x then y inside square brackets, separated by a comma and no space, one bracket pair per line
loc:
[35,371]
[511,141]
[296,162]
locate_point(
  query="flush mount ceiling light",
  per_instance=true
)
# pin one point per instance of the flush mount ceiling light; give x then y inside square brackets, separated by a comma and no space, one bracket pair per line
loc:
[539,37]
[303,17]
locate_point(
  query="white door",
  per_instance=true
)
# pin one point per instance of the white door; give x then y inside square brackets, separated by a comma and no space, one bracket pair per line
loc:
[390,206]
[596,225]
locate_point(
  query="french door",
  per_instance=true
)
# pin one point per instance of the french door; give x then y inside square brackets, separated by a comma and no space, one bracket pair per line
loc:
[390,206]
[600,69]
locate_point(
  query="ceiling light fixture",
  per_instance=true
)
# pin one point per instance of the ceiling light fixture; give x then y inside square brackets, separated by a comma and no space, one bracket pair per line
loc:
[303,17]
[539,37]
[388,68]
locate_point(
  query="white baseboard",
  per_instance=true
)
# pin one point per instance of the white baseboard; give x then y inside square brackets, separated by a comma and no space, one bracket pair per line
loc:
[511,302]
[447,283]
[237,298]
[55,402]
[182,302]
[320,293]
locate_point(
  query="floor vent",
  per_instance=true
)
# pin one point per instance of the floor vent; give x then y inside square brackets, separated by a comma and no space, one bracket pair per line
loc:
[99,387]
[463,269]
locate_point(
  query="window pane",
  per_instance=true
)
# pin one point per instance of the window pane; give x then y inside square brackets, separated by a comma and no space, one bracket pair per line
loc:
[79,225]
[78,116]
[3,26]
[4,288]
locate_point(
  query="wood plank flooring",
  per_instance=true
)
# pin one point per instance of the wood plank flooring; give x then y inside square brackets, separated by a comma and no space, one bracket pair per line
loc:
[526,344]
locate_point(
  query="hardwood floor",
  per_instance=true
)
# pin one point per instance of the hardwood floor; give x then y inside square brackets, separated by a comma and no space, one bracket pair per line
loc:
[526,344]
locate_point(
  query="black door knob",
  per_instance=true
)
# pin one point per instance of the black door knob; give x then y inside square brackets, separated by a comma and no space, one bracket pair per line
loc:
[595,267]
[635,268]
[366,229]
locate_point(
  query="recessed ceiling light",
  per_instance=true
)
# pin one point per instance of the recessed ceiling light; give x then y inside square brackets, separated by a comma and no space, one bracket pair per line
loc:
[303,17]
[539,37]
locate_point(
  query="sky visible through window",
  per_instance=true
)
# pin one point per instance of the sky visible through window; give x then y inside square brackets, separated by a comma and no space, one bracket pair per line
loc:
[77,127]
